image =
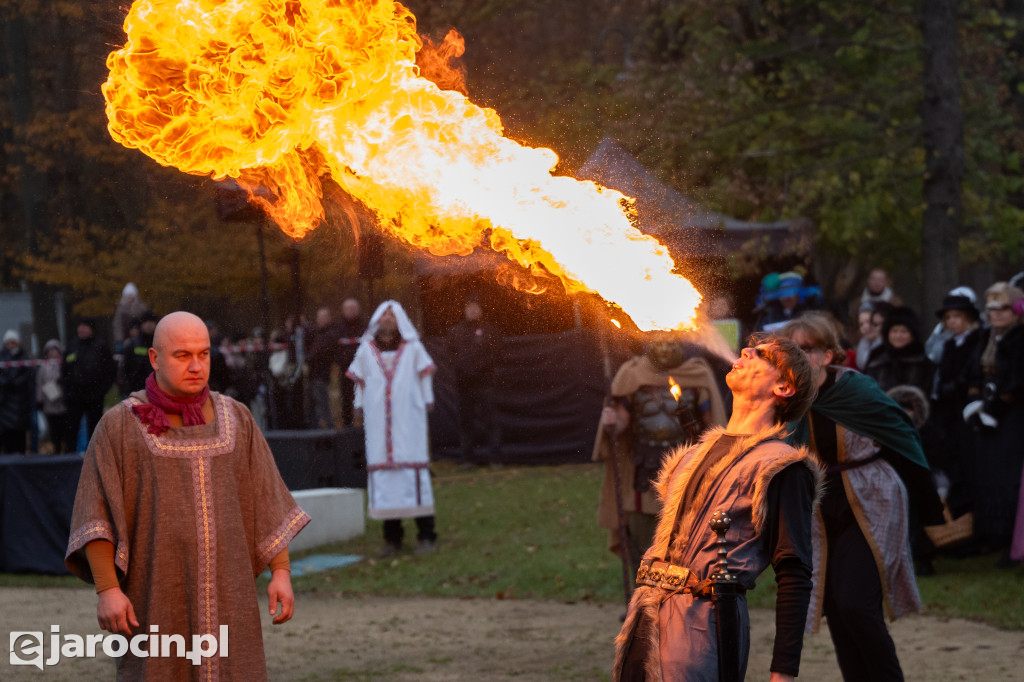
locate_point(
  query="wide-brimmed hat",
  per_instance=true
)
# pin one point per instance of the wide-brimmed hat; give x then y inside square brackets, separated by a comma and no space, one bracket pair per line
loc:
[961,303]
[790,284]
[1002,295]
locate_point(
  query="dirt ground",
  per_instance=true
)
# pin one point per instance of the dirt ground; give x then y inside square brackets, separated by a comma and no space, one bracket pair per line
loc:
[426,640]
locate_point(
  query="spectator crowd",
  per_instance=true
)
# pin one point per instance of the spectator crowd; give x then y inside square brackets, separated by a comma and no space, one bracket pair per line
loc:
[961,378]
[52,404]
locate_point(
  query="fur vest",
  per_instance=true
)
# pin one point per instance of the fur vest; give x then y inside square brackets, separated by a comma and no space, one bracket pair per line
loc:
[737,484]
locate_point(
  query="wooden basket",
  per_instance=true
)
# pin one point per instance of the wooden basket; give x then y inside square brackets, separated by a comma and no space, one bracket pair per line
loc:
[953,531]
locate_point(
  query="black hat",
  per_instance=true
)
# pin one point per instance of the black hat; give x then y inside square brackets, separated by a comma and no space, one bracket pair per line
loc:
[958,303]
[88,322]
[902,316]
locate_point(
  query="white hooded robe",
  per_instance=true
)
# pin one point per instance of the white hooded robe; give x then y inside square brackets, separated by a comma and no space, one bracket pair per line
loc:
[394,388]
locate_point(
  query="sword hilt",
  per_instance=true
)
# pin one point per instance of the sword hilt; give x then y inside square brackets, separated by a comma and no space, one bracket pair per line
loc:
[723,596]
[720,523]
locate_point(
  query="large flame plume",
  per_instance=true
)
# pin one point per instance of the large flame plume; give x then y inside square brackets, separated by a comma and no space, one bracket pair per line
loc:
[283,93]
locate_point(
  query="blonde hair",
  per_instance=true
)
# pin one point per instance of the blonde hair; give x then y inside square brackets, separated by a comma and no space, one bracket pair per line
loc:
[821,328]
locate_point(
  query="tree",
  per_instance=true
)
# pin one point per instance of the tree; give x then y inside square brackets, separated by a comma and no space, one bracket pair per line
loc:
[773,109]
[85,215]
[944,149]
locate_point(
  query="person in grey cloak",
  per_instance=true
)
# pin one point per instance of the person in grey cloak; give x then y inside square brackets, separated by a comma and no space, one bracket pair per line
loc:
[769,489]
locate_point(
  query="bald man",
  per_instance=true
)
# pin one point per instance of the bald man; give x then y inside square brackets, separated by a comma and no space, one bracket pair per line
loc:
[179,508]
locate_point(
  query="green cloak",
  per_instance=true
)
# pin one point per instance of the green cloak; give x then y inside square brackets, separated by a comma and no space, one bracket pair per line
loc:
[856,402]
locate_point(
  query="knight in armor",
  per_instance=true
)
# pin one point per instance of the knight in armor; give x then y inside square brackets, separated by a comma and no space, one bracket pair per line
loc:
[643,421]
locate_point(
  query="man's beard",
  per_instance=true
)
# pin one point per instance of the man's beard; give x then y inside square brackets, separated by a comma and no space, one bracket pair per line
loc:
[387,340]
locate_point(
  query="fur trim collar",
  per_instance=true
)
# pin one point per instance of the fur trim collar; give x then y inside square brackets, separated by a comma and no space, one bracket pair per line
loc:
[675,477]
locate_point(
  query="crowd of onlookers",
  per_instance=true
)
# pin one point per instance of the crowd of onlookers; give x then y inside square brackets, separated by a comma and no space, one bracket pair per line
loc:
[52,404]
[961,377]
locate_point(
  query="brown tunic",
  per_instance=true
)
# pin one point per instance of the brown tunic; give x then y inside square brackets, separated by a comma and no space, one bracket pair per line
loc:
[195,514]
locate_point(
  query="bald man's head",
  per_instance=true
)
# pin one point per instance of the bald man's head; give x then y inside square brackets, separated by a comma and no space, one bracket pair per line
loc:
[180,355]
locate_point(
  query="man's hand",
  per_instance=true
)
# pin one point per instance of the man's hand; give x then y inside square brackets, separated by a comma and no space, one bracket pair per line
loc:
[780,677]
[357,416]
[279,591]
[115,613]
[430,407]
[614,419]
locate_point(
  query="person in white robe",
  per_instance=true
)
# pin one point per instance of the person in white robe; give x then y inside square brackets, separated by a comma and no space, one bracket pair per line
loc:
[393,376]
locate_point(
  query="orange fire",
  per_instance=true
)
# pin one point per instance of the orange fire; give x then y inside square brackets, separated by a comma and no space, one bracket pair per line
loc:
[674,388]
[284,93]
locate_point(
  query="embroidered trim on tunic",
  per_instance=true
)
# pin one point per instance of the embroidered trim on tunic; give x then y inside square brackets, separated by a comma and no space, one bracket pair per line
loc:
[401,512]
[89,531]
[395,466]
[206,534]
[220,443]
[429,369]
[98,530]
[275,543]
[389,375]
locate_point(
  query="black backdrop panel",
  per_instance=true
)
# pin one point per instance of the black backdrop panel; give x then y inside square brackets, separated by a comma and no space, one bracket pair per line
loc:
[549,391]
[37,495]
[320,459]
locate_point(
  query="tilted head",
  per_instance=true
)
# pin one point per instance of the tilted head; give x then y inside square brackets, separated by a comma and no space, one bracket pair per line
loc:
[866,324]
[775,369]
[180,355]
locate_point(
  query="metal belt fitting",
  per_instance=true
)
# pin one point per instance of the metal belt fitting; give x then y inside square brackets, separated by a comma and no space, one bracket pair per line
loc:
[653,573]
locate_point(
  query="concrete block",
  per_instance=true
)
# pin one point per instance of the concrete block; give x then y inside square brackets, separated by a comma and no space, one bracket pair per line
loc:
[337,515]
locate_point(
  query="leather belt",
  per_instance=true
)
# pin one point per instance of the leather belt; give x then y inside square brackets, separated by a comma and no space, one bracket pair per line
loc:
[672,578]
[667,576]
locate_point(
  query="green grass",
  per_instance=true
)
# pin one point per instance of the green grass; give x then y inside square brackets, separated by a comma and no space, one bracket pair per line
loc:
[531,532]
[974,588]
[514,533]
[45,581]
[971,588]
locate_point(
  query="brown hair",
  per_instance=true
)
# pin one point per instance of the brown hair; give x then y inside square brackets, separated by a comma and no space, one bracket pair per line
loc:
[821,328]
[794,369]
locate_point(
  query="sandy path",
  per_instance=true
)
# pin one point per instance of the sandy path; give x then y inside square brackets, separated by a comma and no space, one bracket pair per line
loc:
[425,640]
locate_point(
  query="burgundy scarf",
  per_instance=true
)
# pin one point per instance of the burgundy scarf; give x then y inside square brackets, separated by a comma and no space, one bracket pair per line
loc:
[154,413]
